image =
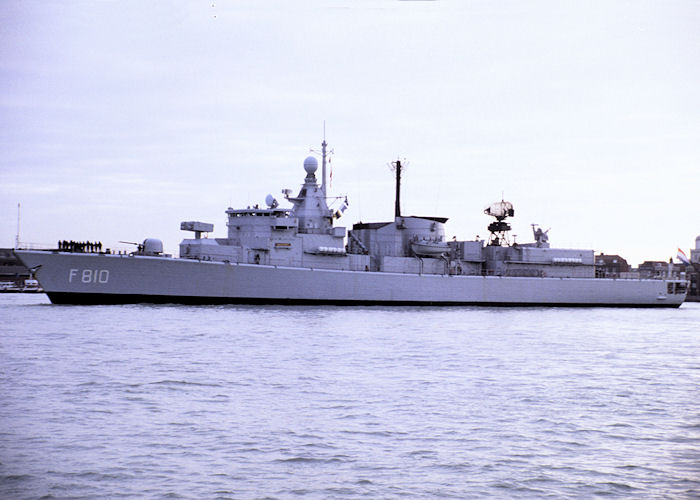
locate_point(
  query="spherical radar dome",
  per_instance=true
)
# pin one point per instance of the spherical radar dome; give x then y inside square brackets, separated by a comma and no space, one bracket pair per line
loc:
[310,165]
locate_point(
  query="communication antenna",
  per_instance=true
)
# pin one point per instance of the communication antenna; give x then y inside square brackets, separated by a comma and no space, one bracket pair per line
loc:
[17,235]
[396,167]
[323,162]
[324,155]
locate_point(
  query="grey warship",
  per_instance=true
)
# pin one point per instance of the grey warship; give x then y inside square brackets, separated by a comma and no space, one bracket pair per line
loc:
[297,255]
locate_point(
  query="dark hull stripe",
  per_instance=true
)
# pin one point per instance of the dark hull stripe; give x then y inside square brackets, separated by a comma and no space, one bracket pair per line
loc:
[103,298]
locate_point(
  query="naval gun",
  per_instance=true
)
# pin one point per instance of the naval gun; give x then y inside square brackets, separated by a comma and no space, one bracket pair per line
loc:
[500,210]
[150,246]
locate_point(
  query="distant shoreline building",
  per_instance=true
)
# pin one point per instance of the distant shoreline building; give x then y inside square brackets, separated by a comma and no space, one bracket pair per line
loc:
[610,266]
[693,273]
[15,277]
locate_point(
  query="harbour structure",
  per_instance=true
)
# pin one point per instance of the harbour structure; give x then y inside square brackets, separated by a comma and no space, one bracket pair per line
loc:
[692,269]
[298,255]
[15,277]
[695,253]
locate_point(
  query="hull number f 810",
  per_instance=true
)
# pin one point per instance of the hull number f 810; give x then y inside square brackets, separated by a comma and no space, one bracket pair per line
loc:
[88,275]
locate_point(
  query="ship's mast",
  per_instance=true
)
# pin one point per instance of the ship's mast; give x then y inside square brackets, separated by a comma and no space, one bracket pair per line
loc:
[323,161]
[396,165]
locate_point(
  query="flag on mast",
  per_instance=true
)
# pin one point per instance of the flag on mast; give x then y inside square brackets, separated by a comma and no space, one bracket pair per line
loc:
[682,257]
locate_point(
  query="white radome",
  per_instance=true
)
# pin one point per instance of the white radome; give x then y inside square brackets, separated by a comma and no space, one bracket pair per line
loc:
[310,165]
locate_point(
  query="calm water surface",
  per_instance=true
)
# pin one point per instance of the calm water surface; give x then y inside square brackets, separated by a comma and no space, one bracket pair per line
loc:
[327,402]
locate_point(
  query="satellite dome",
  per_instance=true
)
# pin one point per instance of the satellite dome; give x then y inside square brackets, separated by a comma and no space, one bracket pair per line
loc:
[271,201]
[310,164]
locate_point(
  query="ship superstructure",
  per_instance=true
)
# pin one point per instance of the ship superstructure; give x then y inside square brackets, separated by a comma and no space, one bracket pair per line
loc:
[301,236]
[298,255]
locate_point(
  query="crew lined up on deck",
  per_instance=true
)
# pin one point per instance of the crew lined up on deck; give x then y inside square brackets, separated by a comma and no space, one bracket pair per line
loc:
[80,246]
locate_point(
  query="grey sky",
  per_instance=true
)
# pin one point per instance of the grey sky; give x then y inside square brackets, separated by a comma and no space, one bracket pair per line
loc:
[118,120]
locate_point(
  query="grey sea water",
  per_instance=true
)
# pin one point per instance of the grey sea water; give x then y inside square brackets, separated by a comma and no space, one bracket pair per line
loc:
[326,402]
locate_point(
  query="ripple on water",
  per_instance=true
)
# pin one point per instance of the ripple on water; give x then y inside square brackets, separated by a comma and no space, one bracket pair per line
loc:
[255,402]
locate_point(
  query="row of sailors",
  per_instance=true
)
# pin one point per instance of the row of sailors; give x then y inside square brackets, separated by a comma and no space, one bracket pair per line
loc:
[80,246]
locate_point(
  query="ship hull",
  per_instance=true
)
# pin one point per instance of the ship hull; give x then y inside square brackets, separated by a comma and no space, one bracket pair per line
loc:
[75,278]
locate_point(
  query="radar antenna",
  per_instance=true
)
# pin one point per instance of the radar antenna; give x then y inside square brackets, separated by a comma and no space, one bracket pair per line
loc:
[500,210]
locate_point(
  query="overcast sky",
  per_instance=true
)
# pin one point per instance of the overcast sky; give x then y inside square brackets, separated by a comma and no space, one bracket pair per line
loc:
[120,119]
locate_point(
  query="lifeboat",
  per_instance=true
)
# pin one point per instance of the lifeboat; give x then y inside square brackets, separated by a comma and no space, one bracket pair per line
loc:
[429,248]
